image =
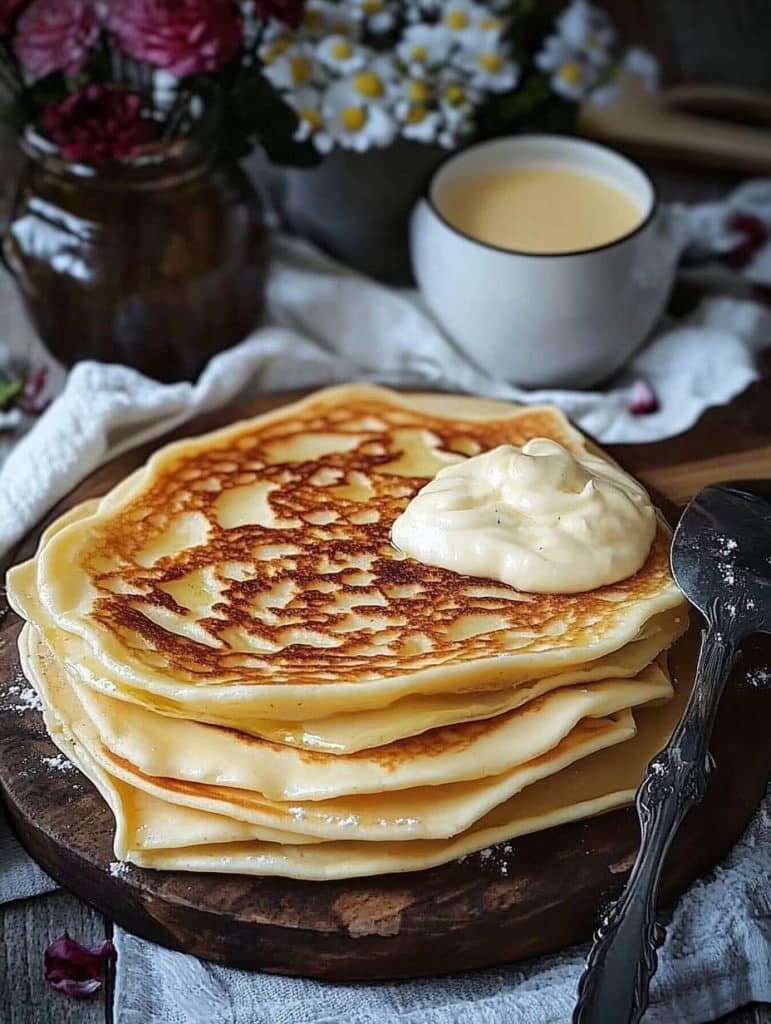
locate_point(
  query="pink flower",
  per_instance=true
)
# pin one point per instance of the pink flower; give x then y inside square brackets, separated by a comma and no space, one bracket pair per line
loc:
[56,35]
[97,125]
[183,36]
[288,11]
[75,969]
[8,11]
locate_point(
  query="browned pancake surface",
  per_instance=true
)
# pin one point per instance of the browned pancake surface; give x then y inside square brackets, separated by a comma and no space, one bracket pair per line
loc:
[317,593]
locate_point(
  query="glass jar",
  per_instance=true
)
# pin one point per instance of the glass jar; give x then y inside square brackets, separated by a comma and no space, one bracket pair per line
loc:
[156,262]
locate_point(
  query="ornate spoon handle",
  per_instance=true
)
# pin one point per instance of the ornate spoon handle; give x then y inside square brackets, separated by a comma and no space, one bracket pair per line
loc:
[614,986]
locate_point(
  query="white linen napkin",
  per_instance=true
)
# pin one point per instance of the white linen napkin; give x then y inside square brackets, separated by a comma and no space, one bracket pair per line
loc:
[326,324]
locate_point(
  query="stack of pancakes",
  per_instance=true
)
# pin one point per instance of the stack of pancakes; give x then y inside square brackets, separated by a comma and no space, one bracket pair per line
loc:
[228,645]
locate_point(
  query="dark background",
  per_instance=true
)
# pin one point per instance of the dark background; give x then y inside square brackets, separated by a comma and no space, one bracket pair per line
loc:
[725,41]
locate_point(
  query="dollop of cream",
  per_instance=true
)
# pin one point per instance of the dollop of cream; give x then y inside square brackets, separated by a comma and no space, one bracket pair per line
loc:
[537,518]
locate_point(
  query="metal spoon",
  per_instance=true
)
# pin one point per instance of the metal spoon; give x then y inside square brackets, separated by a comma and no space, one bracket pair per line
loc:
[721,560]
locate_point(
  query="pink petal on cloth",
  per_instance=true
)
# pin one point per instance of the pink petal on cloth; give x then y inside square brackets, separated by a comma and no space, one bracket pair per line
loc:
[755,233]
[73,969]
[643,399]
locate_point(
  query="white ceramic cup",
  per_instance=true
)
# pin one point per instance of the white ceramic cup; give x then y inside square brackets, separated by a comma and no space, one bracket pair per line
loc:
[545,320]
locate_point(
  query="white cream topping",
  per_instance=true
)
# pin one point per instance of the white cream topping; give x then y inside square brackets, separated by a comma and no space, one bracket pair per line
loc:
[537,518]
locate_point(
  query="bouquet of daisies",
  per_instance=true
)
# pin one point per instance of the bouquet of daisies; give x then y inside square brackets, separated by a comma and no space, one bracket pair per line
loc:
[361,73]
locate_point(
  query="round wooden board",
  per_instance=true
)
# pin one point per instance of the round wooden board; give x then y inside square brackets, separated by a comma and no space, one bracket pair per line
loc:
[538,897]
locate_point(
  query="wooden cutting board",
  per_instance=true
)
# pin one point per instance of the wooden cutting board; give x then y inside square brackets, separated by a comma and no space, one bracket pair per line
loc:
[538,896]
[717,125]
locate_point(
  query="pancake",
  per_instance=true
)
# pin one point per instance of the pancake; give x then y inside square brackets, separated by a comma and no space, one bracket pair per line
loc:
[349,732]
[594,785]
[229,646]
[432,812]
[250,572]
[458,753]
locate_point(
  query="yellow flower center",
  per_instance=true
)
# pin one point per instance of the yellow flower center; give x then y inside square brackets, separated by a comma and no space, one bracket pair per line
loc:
[491,62]
[368,84]
[353,118]
[571,73]
[454,94]
[372,6]
[276,49]
[341,50]
[419,52]
[301,70]
[457,20]
[312,118]
[489,23]
[416,114]
[418,91]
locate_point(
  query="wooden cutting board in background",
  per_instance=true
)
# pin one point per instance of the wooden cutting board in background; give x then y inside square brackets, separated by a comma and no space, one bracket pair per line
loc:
[722,126]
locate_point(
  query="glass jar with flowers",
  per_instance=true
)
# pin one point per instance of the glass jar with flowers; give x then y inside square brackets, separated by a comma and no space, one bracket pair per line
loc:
[135,237]
[384,88]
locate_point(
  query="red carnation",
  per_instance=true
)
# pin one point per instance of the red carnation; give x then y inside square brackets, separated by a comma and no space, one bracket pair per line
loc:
[97,125]
[8,11]
[288,11]
[182,36]
[56,35]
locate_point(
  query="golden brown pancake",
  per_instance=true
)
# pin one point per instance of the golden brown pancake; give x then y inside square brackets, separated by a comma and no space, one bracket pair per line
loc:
[230,647]
[252,570]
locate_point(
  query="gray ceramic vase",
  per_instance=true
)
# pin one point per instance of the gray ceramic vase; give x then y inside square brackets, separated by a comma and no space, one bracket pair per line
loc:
[356,206]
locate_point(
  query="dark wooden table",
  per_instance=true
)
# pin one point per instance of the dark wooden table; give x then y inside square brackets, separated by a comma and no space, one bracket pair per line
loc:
[722,435]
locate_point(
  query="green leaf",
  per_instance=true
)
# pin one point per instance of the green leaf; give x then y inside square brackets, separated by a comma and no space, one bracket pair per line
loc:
[10,391]
[254,113]
[531,107]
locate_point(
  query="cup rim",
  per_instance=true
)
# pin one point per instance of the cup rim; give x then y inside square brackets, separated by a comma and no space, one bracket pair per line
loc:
[575,140]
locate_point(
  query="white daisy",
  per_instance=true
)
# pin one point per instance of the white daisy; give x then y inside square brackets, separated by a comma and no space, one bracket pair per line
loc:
[341,55]
[293,67]
[418,122]
[423,47]
[461,16]
[322,18]
[409,90]
[371,85]
[274,45]
[377,15]
[457,99]
[457,102]
[588,30]
[354,123]
[642,63]
[307,104]
[489,67]
[487,21]
[572,75]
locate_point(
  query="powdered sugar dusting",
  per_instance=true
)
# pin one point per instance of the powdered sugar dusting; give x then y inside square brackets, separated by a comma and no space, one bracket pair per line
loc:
[59,763]
[24,698]
[758,677]
[351,821]
[492,858]
[726,547]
